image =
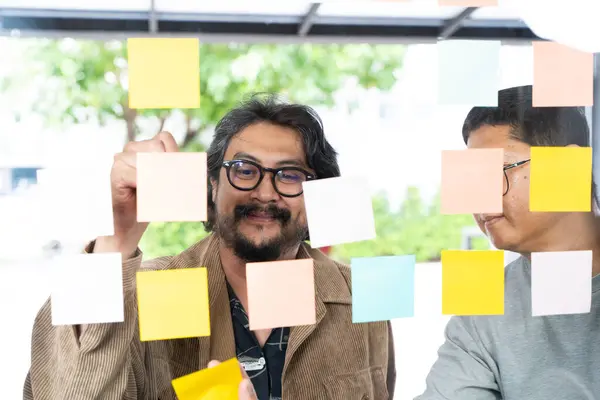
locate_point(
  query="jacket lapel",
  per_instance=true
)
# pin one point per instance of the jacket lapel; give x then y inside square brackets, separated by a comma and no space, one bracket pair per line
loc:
[330,286]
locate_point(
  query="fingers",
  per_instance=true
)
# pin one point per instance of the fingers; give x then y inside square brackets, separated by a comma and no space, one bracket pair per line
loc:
[246,391]
[168,141]
[213,363]
[163,142]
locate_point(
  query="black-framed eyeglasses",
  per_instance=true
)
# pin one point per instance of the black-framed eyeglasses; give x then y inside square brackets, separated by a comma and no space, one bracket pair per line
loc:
[247,175]
[506,168]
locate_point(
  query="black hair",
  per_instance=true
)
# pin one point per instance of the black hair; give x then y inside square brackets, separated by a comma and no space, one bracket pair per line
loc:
[536,126]
[320,155]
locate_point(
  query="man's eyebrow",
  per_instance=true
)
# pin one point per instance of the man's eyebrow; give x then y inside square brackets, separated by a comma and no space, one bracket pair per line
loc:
[247,156]
[293,162]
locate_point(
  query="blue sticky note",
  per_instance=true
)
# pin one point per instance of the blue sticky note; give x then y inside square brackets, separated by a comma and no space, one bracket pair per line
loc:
[383,288]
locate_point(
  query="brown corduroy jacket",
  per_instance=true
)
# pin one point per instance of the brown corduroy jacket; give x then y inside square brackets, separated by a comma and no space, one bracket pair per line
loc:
[333,359]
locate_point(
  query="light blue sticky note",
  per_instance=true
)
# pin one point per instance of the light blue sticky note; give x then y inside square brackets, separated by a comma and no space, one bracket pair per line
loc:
[468,72]
[383,288]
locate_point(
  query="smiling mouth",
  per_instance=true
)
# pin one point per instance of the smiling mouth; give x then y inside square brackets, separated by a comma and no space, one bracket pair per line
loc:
[261,217]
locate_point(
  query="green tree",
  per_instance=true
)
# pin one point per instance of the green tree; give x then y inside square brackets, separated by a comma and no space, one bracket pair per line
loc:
[79,81]
[414,229]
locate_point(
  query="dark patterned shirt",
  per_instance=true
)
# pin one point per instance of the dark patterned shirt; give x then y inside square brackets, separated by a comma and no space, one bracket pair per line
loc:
[263,366]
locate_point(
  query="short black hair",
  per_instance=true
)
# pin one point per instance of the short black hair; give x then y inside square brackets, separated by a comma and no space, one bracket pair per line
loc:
[261,107]
[536,126]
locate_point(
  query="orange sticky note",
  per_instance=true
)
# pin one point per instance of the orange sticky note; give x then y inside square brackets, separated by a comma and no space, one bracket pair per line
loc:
[562,76]
[173,304]
[472,181]
[164,73]
[469,3]
[217,383]
[171,187]
[281,294]
[472,282]
[561,179]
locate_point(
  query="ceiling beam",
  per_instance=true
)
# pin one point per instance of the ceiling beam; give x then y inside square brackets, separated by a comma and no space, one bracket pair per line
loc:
[454,24]
[308,20]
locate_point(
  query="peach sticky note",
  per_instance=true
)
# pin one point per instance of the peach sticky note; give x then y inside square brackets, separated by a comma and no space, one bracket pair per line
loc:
[469,3]
[171,187]
[562,76]
[164,73]
[173,304]
[472,282]
[217,383]
[472,181]
[566,272]
[561,179]
[281,293]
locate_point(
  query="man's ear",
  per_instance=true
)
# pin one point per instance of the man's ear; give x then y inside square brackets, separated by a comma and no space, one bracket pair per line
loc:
[213,185]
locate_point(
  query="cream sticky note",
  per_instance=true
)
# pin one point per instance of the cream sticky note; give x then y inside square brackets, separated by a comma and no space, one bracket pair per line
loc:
[468,72]
[217,383]
[76,203]
[561,282]
[332,221]
[281,294]
[171,187]
[472,282]
[561,179]
[469,3]
[562,76]
[164,73]
[173,304]
[87,289]
[472,181]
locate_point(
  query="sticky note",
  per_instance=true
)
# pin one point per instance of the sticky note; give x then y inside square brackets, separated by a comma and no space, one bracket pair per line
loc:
[472,282]
[217,383]
[76,203]
[561,282]
[164,73]
[173,304]
[468,72]
[472,181]
[562,76]
[339,210]
[428,290]
[561,179]
[171,187]
[469,3]
[383,288]
[281,294]
[87,289]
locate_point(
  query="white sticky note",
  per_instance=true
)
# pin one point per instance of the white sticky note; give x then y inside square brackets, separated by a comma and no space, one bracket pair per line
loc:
[561,282]
[428,290]
[468,72]
[87,289]
[339,210]
[76,202]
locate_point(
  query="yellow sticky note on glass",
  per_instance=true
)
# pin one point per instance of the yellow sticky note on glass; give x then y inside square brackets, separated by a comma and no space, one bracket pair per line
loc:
[561,179]
[164,73]
[173,304]
[218,383]
[472,282]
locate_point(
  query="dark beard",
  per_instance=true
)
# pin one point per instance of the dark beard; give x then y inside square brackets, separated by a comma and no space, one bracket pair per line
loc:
[290,235]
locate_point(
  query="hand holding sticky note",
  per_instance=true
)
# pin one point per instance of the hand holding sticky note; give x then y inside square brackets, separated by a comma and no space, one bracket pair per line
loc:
[217,383]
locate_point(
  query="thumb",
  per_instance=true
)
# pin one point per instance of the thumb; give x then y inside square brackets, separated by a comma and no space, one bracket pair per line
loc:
[246,391]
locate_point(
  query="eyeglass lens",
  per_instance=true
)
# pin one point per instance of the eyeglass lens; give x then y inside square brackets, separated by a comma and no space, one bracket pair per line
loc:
[247,176]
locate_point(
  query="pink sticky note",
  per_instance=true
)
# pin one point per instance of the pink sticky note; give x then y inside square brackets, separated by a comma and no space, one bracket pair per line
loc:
[171,187]
[562,76]
[469,3]
[472,181]
[281,294]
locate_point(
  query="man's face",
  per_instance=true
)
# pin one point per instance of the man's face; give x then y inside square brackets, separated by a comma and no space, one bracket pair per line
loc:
[516,229]
[260,224]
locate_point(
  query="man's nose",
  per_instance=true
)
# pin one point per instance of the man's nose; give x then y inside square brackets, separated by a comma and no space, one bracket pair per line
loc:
[265,191]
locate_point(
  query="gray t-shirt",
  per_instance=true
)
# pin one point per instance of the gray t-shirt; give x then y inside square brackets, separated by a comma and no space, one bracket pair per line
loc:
[516,356]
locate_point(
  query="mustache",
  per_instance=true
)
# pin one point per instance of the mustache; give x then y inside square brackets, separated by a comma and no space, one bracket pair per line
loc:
[244,210]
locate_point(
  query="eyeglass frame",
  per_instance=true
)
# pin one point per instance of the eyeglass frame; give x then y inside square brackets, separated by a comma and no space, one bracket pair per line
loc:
[263,170]
[511,166]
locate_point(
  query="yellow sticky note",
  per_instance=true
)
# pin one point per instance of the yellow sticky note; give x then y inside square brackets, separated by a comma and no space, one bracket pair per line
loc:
[164,73]
[472,282]
[218,383]
[561,179]
[173,304]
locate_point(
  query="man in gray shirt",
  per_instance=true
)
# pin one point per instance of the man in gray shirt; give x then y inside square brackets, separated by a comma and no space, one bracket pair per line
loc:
[517,356]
